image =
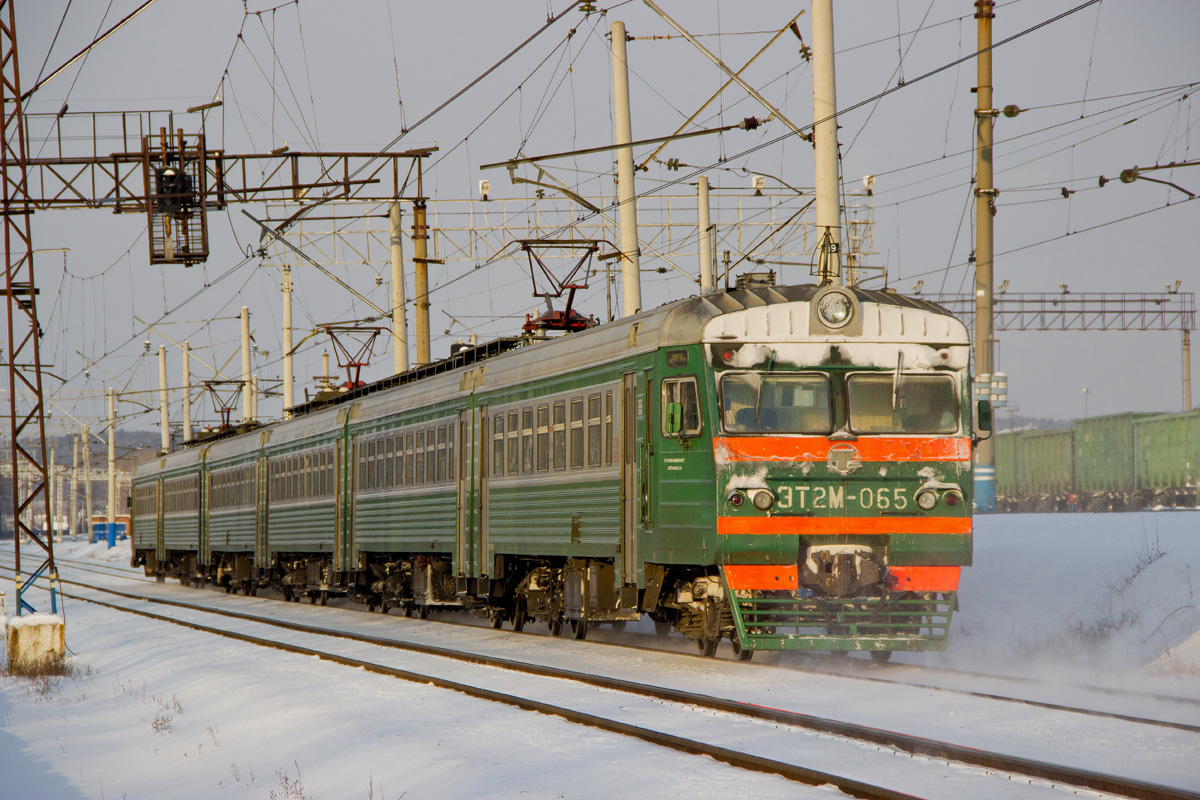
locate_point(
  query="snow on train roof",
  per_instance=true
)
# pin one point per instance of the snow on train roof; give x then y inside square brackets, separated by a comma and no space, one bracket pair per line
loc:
[887,317]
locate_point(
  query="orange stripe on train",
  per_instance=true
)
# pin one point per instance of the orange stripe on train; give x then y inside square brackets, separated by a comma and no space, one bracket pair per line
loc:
[817,526]
[875,448]
[924,579]
[762,576]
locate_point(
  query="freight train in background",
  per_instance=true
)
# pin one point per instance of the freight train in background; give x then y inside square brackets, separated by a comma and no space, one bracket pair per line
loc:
[1122,462]
[784,467]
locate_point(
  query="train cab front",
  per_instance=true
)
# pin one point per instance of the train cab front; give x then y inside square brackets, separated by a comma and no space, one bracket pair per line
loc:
[843,471]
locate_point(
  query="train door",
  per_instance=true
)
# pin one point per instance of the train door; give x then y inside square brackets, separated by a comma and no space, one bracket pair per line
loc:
[471,540]
[464,493]
[343,523]
[204,546]
[629,488]
[261,558]
[646,499]
[160,547]
[481,467]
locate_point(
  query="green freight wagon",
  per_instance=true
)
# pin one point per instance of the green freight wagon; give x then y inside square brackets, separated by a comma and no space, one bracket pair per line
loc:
[1104,459]
[1167,466]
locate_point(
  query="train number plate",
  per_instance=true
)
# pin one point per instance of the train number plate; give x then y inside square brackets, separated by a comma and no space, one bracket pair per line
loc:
[801,497]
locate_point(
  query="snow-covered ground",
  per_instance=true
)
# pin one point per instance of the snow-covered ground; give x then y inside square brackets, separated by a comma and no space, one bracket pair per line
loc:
[159,711]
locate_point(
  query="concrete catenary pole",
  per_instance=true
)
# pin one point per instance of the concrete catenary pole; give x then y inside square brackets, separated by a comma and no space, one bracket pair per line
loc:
[164,419]
[52,511]
[399,317]
[421,280]
[420,235]
[73,516]
[187,393]
[706,259]
[111,531]
[247,401]
[1187,370]
[985,208]
[87,484]
[631,280]
[289,379]
[828,185]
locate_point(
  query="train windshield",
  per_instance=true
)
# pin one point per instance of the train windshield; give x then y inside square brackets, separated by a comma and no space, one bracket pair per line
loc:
[755,403]
[879,403]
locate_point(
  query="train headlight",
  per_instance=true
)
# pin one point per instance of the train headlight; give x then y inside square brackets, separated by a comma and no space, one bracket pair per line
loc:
[952,498]
[763,499]
[927,499]
[835,309]
[736,499]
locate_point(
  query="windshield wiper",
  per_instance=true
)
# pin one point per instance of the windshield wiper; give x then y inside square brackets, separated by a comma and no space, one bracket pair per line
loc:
[758,399]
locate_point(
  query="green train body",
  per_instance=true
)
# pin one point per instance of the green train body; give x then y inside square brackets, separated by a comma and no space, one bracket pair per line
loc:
[1118,462]
[785,467]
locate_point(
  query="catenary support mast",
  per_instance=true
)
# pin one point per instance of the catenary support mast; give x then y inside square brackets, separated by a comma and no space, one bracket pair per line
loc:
[985,208]
[828,185]
[631,281]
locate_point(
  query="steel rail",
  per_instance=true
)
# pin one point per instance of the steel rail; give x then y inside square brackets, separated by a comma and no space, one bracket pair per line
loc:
[117,572]
[916,745]
[734,758]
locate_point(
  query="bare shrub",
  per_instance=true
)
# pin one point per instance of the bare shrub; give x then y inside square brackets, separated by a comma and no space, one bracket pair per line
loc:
[289,789]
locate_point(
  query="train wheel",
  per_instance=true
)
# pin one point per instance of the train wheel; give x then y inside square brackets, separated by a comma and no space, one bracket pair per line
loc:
[312,598]
[160,578]
[252,589]
[288,594]
[579,628]
[408,609]
[384,607]
[423,612]
[518,620]
[662,629]
[556,625]
[707,647]
[881,656]
[741,653]
[496,618]
[324,598]
[229,588]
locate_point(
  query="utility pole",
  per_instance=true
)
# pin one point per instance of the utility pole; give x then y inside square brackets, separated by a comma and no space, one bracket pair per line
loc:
[112,468]
[828,185]
[187,393]
[163,410]
[1187,370]
[52,509]
[73,516]
[289,380]
[985,209]
[705,222]
[247,402]
[631,279]
[399,317]
[87,484]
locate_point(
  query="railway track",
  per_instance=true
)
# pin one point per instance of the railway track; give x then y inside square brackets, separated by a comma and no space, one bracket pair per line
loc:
[855,673]
[747,713]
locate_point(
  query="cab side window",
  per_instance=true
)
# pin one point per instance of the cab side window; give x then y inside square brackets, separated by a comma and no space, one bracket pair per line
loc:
[680,407]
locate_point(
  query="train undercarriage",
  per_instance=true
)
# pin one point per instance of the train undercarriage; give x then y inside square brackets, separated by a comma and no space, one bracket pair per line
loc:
[844,604]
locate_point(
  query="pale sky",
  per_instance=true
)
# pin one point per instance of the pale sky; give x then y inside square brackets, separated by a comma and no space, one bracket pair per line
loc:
[1104,89]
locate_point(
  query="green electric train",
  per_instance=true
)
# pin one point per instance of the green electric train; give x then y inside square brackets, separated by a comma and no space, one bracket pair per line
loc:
[785,467]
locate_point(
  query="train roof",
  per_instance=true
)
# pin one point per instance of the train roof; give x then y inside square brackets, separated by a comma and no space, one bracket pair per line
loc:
[753,312]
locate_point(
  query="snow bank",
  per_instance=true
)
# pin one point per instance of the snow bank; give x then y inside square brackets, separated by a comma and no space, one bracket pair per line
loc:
[1106,597]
